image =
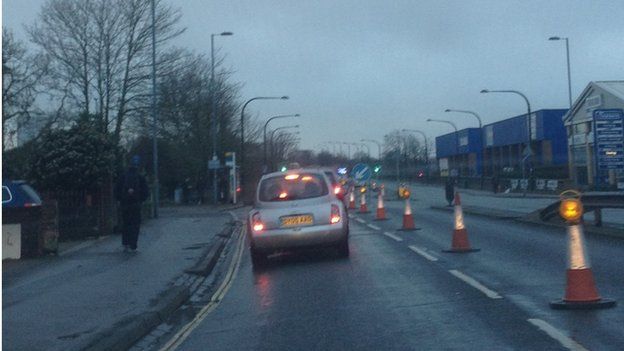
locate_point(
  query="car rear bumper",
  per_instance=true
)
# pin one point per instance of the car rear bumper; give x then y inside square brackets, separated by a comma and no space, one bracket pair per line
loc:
[290,238]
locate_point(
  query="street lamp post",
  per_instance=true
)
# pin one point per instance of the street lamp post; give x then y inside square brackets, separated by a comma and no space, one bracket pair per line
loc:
[426,146]
[213,119]
[568,60]
[456,135]
[156,195]
[481,132]
[529,151]
[271,139]
[572,169]
[264,140]
[242,129]
[378,146]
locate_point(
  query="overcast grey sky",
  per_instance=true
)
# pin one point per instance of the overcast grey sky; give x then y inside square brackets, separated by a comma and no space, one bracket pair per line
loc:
[359,69]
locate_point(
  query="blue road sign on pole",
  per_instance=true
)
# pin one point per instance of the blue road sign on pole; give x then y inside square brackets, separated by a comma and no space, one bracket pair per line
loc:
[608,142]
[361,173]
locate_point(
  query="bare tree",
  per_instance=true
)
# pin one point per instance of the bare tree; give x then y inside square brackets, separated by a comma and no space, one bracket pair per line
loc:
[100,52]
[21,75]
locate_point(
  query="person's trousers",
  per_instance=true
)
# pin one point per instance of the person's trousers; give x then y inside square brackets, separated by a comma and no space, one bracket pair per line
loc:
[131,222]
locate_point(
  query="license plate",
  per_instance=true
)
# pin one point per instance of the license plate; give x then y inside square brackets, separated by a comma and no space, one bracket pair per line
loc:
[295,221]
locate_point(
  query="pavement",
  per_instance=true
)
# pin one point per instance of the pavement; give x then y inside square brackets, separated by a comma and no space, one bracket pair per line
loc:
[94,296]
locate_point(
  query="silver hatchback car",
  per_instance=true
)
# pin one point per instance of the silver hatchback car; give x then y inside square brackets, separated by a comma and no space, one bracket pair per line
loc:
[296,209]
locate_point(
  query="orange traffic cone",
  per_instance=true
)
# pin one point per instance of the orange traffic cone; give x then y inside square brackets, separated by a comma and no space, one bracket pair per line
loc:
[460,242]
[408,219]
[363,208]
[352,199]
[381,211]
[581,292]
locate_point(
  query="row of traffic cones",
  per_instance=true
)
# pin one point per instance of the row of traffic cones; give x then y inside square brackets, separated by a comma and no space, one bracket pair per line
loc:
[580,292]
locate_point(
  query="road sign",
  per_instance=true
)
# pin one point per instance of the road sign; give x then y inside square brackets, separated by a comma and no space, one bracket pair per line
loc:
[361,173]
[609,139]
[214,164]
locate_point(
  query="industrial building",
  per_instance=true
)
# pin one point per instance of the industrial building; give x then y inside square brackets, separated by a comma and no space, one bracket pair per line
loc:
[595,134]
[500,148]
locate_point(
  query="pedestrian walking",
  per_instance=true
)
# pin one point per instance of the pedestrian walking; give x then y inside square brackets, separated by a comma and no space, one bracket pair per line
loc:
[449,190]
[131,190]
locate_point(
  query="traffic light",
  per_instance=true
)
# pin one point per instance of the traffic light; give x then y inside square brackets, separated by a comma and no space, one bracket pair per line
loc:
[283,169]
[377,169]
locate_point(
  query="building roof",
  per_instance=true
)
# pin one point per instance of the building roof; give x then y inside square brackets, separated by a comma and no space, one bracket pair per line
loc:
[613,87]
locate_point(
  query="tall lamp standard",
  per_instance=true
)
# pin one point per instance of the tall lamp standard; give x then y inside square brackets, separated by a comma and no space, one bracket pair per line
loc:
[426,145]
[480,132]
[156,195]
[242,128]
[213,119]
[271,139]
[264,140]
[568,60]
[456,134]
[378,146]
[529,151]
[572,168]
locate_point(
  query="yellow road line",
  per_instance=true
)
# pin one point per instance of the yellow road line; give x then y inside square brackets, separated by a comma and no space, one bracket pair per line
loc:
[215,300]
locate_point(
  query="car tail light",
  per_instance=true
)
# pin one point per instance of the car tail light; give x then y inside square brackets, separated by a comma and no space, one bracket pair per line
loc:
[335,214]
[31,204]
[337,190]
[256,222]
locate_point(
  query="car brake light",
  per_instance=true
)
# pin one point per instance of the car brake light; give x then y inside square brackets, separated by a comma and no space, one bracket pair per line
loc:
[30,204]
[335,214]
[291,177]
[256,222]
[337,190]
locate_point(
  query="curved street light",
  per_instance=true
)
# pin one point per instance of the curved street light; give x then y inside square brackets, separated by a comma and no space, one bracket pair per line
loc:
[242,129]
[378,146]
[482,142]
[264,141]
[485,91]
[272,137]
[456,133]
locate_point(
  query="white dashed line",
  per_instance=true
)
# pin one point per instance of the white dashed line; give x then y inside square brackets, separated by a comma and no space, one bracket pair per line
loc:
[423,253]
[390,235]
[372,226]
[556,334]
[475,284]
[360,220]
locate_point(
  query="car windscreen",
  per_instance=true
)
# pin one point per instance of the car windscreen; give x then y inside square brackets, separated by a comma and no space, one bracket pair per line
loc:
[331,177]
[31,194]
[292,186]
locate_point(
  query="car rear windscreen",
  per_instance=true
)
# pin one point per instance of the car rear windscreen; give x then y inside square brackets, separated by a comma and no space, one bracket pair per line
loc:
[289,187]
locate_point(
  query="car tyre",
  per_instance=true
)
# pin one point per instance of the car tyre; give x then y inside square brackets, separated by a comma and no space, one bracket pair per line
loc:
[343,248]
[258,259]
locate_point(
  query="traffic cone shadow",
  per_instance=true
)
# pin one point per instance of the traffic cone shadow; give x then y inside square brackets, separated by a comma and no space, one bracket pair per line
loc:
[408,218]
[581,292]
[460,243]
[381,210]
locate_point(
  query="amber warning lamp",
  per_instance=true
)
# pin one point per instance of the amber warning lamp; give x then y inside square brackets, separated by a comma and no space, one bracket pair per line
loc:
[571,208]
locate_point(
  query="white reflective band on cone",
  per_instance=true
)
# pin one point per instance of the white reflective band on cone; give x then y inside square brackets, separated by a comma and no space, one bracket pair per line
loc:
[576,248]
[363,199]
[408,208]
[380,201]
[459,218]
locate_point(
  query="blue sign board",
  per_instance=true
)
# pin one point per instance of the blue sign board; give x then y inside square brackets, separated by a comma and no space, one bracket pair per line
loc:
[361,173]
[608,141]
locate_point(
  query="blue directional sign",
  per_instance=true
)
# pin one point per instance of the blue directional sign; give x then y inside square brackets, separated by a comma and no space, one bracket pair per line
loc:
[608,141]
[361,173]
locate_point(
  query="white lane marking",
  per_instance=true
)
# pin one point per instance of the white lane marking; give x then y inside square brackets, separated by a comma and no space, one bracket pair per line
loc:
[372,226]
[556,334]
[360,220]
[423,253]
[390,235]
[475,284]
